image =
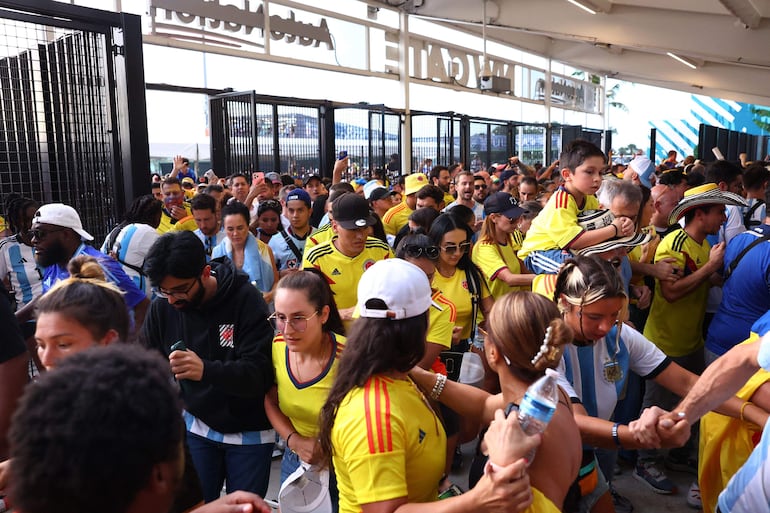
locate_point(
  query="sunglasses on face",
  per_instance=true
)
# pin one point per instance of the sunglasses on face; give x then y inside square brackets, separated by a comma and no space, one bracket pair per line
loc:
[478,187]
[430,252]
[42,234]
[451,249]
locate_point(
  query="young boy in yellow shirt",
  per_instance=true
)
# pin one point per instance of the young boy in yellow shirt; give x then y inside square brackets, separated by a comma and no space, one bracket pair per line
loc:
[556,231]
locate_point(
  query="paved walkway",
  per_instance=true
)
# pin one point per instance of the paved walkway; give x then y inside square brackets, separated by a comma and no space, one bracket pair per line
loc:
[643,499]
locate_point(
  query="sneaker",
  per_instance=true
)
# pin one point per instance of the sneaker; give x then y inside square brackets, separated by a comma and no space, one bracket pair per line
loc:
[622,505]
[686,464]
[648,473]
[693,497]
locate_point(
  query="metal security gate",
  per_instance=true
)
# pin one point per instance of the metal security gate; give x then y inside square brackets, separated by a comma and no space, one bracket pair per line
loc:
[369,134]
[258,133]
[251,132]
[72,109]
[437,137]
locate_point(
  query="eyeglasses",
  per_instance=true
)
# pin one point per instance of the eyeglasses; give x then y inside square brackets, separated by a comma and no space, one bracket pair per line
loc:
[451,249]
[176,294]
[42,234]
[412,251]
[478,187]
[297,323]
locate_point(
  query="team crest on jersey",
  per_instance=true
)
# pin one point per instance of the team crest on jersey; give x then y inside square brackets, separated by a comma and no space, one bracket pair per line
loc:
[465,284]
[368,264]
[226,335]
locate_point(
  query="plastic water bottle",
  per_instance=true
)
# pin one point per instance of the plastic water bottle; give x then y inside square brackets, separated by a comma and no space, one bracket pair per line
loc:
[539,405]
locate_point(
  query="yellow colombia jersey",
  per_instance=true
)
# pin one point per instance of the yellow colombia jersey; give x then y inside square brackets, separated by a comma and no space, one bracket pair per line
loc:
[726,443]
[396,218]
[545,285]
[455,288]
[492,258]
[322,234]
[343,272]
[556,227]
[518,239]
[442,321]
[302,401]
[448,198]
[186,223]
[388,444]
[676,328]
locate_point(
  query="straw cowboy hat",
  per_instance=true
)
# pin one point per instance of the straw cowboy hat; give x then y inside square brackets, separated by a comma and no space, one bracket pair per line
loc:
[706,194]
[595,219]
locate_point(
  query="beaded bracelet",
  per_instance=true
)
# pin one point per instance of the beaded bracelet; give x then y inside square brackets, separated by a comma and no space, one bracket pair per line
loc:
[438,386]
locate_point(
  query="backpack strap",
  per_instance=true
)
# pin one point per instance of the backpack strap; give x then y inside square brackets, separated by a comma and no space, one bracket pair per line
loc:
[734,263]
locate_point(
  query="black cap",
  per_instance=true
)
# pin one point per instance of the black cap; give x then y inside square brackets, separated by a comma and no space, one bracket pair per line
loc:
[508,173]
[379,193]
[311,177]
[351,211]
[503,203]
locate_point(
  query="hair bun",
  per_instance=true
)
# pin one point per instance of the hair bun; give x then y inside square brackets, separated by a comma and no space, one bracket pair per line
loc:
[85,267]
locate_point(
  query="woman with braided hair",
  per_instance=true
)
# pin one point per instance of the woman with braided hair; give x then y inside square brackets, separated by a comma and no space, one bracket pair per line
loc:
[18,269]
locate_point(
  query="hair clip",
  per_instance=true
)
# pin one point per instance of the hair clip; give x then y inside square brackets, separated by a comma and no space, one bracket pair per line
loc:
[545,349]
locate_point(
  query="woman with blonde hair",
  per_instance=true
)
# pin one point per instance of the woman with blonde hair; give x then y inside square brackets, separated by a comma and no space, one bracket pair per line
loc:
[495,252]
[525,335]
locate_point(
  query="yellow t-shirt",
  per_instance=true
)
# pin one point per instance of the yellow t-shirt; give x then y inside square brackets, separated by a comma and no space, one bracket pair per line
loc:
[726,443]
[322,234]
[388,443]
[676,328]
[492,258]
[302,401]
[541,503]
[448,198]
[556,227]
[455,288]
[186,223]
[343,272]
[441,322]
[396,218]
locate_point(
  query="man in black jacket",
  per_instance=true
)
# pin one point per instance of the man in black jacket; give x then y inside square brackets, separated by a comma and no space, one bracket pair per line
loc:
[212,325]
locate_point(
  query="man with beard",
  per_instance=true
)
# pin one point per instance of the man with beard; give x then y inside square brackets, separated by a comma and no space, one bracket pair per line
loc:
[480,188]
[58,237]
[464,183]
[439,176]
[212,325]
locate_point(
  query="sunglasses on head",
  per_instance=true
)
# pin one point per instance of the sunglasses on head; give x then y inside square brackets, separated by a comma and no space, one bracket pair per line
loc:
[413,251]
[451,249]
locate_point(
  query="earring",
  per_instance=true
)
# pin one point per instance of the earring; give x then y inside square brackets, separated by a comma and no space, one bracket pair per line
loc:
[545,349]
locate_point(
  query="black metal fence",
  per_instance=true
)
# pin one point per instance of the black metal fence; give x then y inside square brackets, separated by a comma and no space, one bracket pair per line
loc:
[72,111]
[301,137]
[731,144]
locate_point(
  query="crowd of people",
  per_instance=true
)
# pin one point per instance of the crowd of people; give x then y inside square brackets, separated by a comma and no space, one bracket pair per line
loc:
[225,321]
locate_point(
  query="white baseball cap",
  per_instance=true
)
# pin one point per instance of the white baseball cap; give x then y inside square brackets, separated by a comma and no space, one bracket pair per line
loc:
[402,286]
[306,490]
[59,214]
